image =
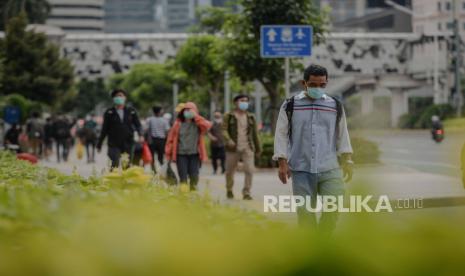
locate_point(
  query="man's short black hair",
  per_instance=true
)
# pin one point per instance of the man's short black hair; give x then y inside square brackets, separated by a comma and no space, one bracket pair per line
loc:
[315,70]
[241,96]
[156,110]
[118,90]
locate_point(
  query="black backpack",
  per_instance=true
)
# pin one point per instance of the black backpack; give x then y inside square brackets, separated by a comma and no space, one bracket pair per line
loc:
[289,108]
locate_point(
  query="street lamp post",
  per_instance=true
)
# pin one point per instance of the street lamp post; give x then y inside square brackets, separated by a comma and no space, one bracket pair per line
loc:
[175,96]
[227,92]
[458,59]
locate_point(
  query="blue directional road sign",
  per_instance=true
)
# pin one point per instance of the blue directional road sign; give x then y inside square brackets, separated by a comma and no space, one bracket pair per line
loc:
[286,41]
[12,114]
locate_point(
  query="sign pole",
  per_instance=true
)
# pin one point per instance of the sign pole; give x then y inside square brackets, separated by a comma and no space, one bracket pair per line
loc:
[287,85]
[175,96]
[227,92]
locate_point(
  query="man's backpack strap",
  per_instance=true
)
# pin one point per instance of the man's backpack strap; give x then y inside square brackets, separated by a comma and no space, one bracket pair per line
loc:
[289,108]
[339,111]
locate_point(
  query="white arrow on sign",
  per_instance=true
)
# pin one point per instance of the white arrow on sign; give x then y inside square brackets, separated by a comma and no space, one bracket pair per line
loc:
[300,34]
[271,35]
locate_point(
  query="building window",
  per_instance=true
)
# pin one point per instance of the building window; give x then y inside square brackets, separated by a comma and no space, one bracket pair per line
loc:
[450,25]
[464,25]
[463,5]
[439,6]
[448,6]
[439,26]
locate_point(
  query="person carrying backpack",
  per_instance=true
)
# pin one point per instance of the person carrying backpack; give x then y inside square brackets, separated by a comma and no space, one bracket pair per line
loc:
[312,145]
[90,137]
[62,134]
[242,143]
[35,133]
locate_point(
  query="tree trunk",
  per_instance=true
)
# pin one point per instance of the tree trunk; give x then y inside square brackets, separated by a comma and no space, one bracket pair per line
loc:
[273,93]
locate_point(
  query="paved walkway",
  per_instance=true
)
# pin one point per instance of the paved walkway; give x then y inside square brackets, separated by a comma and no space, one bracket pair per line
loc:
[395,181]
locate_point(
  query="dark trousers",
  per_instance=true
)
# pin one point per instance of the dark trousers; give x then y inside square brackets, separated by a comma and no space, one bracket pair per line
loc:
[218,154]
[158,146]
[90,150]
[114,153]
[188,166]
[62,143]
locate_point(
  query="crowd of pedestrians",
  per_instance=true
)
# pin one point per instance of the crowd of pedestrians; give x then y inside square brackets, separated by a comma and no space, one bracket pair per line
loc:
[311,144]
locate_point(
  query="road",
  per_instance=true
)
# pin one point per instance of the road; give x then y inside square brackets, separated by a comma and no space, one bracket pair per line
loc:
[415,149]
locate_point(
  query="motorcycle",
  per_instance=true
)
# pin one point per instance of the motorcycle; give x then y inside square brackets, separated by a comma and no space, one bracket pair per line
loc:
[438,135]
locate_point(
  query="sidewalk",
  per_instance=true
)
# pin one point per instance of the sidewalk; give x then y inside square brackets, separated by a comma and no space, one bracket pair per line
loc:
[397,182]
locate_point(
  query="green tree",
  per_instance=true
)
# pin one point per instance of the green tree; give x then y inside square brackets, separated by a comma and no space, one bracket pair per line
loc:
[242,41]
[211,19]
[147,84]
[90,94]
[32,66]
[37,10]
[200,60]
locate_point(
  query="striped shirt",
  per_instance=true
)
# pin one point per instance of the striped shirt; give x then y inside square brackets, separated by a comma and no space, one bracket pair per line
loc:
[158,127]
[315,142]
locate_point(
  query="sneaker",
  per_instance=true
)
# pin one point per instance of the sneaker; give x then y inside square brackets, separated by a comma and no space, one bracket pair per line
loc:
[247,197]
[230,195]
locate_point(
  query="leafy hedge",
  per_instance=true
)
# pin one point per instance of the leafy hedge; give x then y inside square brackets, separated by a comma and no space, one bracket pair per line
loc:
[52,224]
[365,151]
[422,119]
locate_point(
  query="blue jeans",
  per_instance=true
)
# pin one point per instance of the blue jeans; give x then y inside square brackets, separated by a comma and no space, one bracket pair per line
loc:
[313,184]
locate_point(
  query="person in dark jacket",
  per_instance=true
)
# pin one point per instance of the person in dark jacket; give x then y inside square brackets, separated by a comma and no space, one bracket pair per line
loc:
[12,136]
[48,137]
[119,124]
[62,134]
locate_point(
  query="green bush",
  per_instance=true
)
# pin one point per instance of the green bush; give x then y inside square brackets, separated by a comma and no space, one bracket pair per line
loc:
[265,160]
[25,105]
[422,119]
[365,151]
[53,224]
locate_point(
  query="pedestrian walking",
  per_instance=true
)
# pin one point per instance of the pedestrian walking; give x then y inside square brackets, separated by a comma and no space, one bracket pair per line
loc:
[48,137]
[35,133]
[217,143]
[89,137]
[62,135]
[119,124]
[242,143]
[185,144]
[158,128]
[11,139]
[312,145]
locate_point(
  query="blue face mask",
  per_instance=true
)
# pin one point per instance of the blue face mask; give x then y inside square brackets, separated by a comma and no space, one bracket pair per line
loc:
[315,92]
[119,100]
[188,115]
[243,106]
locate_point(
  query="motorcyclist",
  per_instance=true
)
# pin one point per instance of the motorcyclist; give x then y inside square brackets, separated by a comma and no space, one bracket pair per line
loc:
[436,125]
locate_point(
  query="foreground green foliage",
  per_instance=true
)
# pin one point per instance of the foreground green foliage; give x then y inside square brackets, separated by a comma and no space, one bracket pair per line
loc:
[51,224]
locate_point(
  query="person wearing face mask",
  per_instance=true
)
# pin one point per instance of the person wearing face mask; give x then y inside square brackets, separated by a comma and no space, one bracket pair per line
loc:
[119,124]
[312,144]
[185,144]
[90,137]
[217,143]
[242,143]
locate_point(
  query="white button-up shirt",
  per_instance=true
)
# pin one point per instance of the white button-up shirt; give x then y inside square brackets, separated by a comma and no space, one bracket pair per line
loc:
[314,145]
